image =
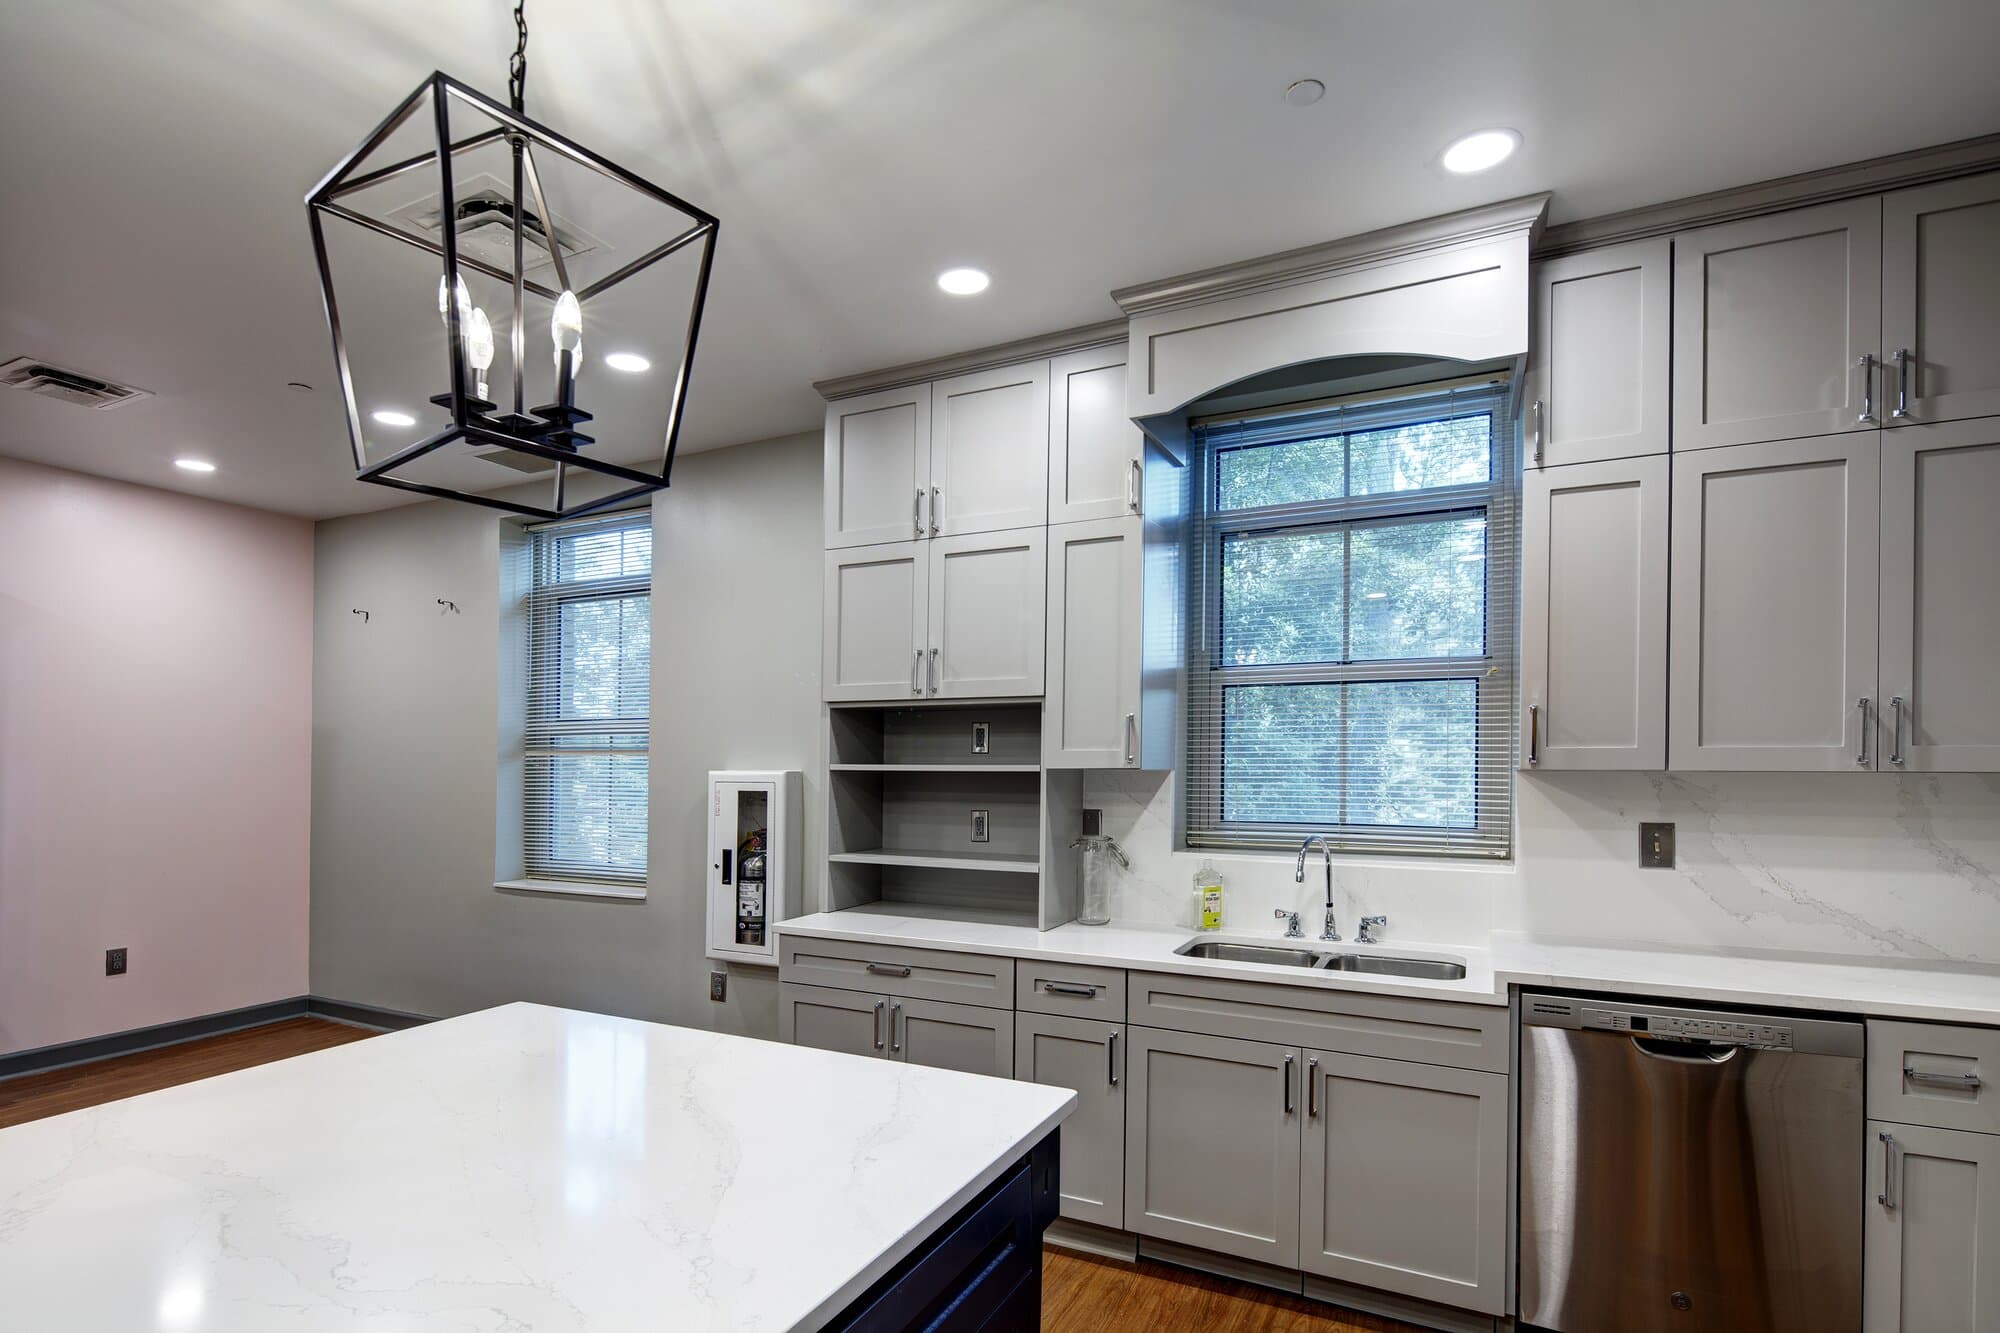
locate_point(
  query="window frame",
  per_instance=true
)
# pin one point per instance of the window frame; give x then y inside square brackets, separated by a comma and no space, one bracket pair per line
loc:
[1203,798]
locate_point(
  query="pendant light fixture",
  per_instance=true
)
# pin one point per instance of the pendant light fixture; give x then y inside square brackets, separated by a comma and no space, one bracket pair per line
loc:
[536,249]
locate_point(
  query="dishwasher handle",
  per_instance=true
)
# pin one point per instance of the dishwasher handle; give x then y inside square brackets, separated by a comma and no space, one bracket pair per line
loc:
[1685,1052]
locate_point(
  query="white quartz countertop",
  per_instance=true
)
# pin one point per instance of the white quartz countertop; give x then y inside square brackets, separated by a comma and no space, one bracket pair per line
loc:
[1887,989]
[523,1167]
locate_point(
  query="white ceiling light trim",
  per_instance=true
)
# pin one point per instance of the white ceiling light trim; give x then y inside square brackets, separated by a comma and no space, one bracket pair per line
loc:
[1481,151]
[629,362]
[964,281]
[388,416]
[200,465]
[1304,92]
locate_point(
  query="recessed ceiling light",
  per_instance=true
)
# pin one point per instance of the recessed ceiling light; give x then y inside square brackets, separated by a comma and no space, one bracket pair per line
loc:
[194,465]
[1479,152]
[388,416]
[963,281]
[299,386]
[629,362]
[1304,92]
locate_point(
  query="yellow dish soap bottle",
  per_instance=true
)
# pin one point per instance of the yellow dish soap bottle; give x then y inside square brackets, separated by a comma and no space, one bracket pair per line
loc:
[1207,897]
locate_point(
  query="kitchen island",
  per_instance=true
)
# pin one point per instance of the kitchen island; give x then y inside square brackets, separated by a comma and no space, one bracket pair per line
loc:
[534,1167]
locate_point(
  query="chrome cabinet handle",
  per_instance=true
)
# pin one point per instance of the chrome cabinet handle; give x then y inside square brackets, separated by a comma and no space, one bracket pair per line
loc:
[1896,729]
[1902,408]
[934,671]
[1312,1089]
[1285,1075]
[1134,486]
[1131,738]
[1534,734]
[1539,430]
[1079,988]
[895,1041]
[1887,1198]
[878,1023]
[1111,1056]
[1967,1082]
[934,509]
[917,512]
[888,970]
[916,666]
[1866,364]
[1861,755]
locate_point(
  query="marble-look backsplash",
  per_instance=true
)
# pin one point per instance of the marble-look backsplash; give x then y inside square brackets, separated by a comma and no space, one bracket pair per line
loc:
[1876,865]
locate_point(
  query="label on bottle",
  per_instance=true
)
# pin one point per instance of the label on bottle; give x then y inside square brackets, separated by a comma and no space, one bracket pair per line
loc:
[1211,908]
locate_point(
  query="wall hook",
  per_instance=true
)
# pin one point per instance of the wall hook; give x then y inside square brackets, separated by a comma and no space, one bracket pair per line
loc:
[448,605]
[363,614]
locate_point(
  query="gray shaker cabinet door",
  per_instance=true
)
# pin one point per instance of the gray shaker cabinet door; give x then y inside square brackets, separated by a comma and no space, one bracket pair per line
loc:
[1932,1231]
[1941,300]
[872,621]
[1940,608]
[990,450]
[1406,1179]
[1772,607]
[1088,1058]
[1096,605]
[1594,615]
[1094,449]
[1772,319]
[1212,1144]
[878,463]
[965,1037]
[851,1022]
[987,613]
[1598,369]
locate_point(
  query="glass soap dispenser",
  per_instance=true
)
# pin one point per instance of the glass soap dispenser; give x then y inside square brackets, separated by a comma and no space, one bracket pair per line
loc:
[1098,852]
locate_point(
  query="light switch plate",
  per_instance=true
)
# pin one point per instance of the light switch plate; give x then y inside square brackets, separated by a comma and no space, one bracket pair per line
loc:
[1656,846]
[718,985]
[982,737]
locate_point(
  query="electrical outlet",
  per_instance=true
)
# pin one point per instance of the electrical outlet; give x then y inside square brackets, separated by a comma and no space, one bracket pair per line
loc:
[982,826]
[1656,846]
[982,737]
[114,962]
[718,985]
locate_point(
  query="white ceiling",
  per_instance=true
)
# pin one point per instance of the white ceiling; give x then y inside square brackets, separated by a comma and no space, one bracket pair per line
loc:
[156,154]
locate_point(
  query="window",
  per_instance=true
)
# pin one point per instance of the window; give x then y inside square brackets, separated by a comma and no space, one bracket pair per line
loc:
[590,656]
[1350,665]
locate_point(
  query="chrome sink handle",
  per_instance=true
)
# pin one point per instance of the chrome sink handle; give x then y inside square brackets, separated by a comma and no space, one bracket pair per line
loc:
[1369,925]
[1291,920]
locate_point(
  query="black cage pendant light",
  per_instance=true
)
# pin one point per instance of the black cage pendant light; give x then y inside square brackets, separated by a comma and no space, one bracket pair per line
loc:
[484,279]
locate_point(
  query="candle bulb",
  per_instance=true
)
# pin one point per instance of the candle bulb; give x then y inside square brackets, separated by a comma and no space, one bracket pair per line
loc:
[566,329]
[479,348]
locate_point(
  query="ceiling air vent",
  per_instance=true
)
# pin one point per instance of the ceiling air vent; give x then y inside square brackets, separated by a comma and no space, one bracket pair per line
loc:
[68,386]
[486,222]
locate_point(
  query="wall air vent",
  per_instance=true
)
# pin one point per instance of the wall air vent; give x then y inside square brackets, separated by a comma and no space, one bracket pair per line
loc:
[68,386]
[486,221]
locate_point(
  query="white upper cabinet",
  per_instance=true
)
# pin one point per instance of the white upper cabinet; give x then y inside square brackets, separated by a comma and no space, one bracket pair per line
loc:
[986,614]
[878,466]
[1598,364]
[873,622]
[1777,326]
[1940,709]
[1095,452]
[1772,606]
[1594,615]
[989,451]
[1941,300]
[1095,606]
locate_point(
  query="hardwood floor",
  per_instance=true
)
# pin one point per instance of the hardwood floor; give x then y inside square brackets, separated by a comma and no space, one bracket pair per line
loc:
[1080,1294]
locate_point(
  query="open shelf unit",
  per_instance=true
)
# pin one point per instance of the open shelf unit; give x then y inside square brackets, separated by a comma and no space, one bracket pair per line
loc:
[903,781]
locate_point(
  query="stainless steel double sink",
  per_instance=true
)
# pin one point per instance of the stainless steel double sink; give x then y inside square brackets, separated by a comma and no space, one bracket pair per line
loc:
[1324,960]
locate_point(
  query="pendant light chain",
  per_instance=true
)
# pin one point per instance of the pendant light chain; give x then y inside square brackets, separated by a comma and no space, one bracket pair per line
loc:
[517,67]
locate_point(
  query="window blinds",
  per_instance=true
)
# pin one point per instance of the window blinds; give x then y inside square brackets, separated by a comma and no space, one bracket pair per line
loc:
[1351,666]
[590,659]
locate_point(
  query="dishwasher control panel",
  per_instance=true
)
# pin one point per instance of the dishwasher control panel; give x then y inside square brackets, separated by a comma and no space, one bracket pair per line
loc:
[1679,1027]
[1752,1029]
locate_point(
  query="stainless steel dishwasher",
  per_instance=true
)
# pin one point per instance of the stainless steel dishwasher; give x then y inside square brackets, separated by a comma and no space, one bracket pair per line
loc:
[1688,1170]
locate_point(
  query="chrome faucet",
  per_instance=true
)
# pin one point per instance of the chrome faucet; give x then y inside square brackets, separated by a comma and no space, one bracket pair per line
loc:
[1327,930]
[1369,925]
[1291,920]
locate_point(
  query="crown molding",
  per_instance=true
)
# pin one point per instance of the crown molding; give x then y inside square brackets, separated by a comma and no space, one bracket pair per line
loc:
[979,358]
[1824,186]
[1324,260]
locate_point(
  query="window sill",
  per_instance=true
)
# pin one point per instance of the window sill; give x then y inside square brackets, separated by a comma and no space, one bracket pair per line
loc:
[574,888]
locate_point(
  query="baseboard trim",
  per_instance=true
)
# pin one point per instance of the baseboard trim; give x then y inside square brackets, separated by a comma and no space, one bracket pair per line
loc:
[1407,1309]
[1222,1265]
[1088,1238]
[42,1059]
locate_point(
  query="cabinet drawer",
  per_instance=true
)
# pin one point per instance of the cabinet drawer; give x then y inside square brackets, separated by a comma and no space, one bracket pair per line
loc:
[1931,1074]
[1070,988]
[885,969]
[1436,1032]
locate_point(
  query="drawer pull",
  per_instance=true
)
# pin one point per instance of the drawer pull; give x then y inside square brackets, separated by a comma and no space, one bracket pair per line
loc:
[1966,1081]
[1077,988]
[888,970]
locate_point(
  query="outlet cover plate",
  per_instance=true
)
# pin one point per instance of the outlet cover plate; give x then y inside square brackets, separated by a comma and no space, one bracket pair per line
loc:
[982,826]
[114,962]
[718,985]
[1656,846]
[982,737]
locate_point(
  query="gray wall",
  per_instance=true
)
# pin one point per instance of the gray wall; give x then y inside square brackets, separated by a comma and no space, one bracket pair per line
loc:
[406,749]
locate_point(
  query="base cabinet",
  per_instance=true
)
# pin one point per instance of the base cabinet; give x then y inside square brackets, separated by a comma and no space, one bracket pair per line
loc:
[1406,1178]
[933,1033]
[1932,1232]
[1087,1057]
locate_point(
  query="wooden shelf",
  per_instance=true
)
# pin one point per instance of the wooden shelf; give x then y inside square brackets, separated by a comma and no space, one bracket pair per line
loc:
[934,768]
[910,856]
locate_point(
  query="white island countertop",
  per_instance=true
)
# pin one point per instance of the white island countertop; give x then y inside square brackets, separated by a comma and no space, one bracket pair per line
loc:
[523,1167]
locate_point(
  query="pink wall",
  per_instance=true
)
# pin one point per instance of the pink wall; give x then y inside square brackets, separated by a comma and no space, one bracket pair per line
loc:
[155,754]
